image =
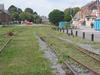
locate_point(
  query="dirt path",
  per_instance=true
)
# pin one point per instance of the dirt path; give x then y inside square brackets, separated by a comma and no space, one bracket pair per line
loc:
[49,54]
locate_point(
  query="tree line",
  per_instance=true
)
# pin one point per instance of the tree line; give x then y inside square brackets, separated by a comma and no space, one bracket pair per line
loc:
[56,15]
[28,14]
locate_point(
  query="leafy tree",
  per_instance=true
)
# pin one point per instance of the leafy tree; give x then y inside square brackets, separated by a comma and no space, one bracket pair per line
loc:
[71,11]
[26,16]
[19,11]
[56,16]
[68,11]
[29,10]
[12,9]
[76,9]
[67,18]
[14,12]
[35,13]
[15,15]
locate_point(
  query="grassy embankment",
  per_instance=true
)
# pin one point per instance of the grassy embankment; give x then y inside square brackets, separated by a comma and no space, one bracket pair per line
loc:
[22,55]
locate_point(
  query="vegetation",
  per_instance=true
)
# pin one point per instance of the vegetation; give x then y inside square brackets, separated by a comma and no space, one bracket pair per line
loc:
[56,16]
[28,14]
[71,11]
[67,18]
[22,55]
[64,49]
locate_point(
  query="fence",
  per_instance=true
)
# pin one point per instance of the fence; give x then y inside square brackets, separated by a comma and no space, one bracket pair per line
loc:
[83,35]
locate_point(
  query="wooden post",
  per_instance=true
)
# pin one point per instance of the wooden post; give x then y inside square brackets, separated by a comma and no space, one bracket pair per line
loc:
[76,33]
[67,31]
[63,29]
[92,37]
[71,32]
[60,29]
[83,35]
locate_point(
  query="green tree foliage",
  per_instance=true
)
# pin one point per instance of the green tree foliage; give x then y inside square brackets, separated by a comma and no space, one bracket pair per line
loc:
[26,16]
[67,18]
[76,9]
[56,16]
[68,11]
[19,11]
[12,9]
[18,15]
[71,11]
[14,12]
[29,10]
[15,15]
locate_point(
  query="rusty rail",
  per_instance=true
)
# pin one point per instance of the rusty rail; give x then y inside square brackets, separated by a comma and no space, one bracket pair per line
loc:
[82,50]
[72,71]
[91,71]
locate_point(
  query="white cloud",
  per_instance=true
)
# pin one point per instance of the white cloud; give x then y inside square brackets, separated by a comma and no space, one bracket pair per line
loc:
[43,7]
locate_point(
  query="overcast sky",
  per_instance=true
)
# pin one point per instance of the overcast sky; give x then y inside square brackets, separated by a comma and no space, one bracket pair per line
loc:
[43,7]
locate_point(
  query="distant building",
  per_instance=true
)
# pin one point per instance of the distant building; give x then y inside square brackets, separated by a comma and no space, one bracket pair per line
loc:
[4,15]
[87,14]
[44,19]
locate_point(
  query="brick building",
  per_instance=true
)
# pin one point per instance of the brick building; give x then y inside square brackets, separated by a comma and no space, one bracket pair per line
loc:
[87,14]
[4,15]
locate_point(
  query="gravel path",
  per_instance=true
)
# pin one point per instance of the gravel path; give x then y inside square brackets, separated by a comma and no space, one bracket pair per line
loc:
[49,54]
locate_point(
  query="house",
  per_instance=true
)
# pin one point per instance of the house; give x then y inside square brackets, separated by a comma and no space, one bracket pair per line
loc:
[4,15]
[87,15]
[45,20]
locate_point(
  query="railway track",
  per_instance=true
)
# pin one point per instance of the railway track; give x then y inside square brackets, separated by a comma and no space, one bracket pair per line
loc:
[96,57]
[8,41]
[77,68]
[91,58]
[93,55]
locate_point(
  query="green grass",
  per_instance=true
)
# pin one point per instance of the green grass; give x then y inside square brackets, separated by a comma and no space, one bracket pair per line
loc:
[3,37]
[64,49]
[22,55]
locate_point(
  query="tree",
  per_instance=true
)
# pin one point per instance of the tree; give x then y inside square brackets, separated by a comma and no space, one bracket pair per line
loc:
[56,16]
[67,18]
[26,16]
[19,11]
[76,9]
[12,9]
[68,11]
[71,11]
[14,12]
[29,10]
[15,16]
[35,13]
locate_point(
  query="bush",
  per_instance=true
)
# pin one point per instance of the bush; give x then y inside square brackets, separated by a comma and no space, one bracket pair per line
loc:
[10,33]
